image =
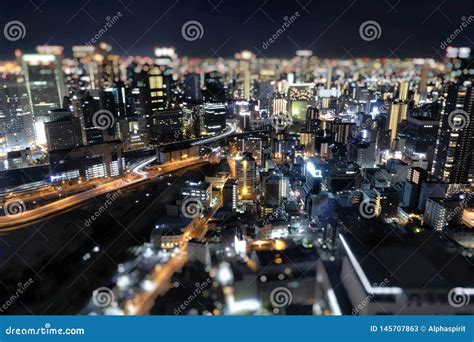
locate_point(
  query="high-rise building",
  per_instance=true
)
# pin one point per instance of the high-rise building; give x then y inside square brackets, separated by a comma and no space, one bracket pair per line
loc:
[398,113]
[63,131]
[230,194]
[246,174]
[166,126]
[420,134]
[275,188]
[45,86]
[454,150]
[214,116]
[16,117]
[254,146]
[279,104]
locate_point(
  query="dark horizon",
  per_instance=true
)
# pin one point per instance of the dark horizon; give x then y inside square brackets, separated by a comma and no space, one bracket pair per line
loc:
[330,29]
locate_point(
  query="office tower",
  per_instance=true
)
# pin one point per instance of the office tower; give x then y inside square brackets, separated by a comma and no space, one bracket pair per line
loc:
[275,188]
[313,178]
[229,194]
[63,131]
[398,113]
[200,191]
[363,154]
[254,146]
[403,91]
[412,186]
[133,133]
[16,117]
[45,85]
[454,161]
[90,105]
[192,88]
[246,174]
[214,89]
[117,99]
[166,126]
[420,134]
[312,117]
[341,130]
[214,116]
[158,89]
[307,139]
[279,104]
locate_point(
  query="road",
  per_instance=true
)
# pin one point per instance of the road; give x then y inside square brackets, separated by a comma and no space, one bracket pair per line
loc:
[161,277]
[137,175]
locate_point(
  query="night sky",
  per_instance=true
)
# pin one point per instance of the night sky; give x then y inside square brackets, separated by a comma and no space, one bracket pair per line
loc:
[409,28]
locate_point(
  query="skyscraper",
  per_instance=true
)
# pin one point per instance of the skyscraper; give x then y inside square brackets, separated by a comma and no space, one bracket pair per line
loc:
[16,118]
[45,85]
[455,146]
[246,174]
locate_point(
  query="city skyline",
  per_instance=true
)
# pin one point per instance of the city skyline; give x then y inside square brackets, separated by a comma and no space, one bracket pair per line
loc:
[139,179]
